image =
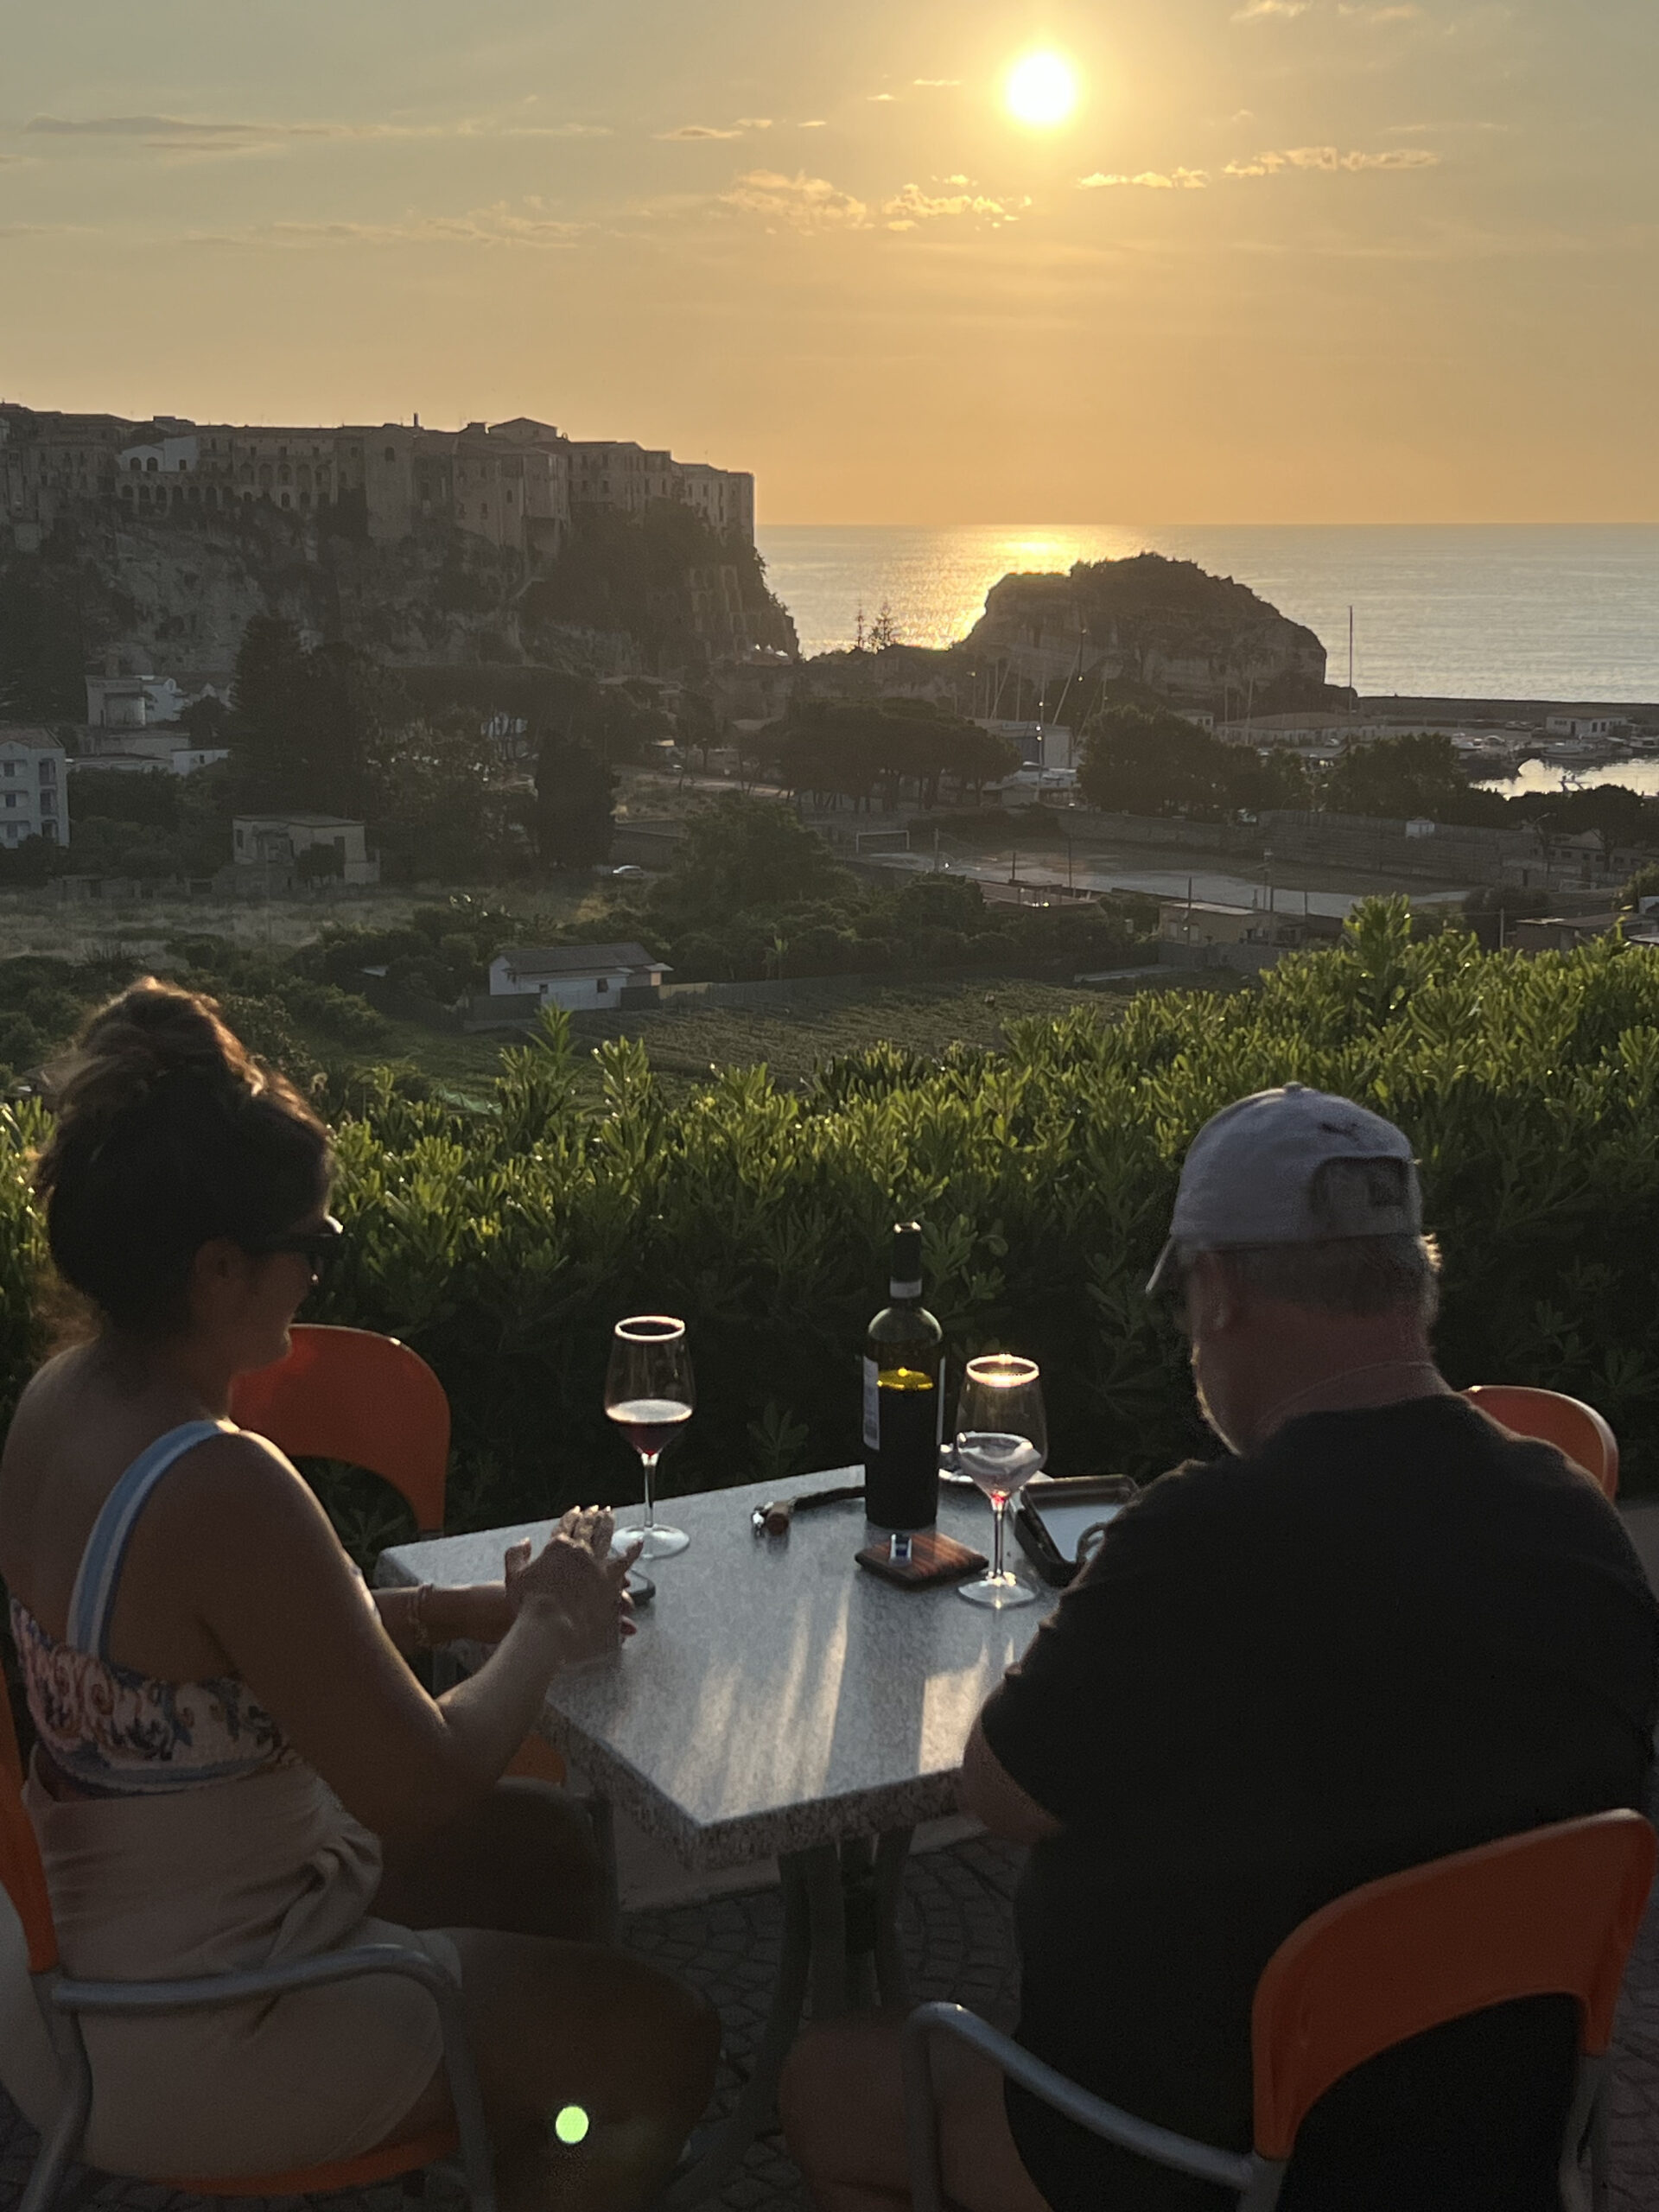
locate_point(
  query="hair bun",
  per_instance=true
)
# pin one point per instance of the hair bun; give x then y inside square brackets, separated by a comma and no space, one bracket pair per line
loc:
[167,1136]
[152,1031]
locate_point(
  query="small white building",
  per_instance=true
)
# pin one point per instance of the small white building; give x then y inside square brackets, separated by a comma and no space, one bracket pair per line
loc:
[134,702]
[33,791]
[581,977]
[1584,725]
[277,841]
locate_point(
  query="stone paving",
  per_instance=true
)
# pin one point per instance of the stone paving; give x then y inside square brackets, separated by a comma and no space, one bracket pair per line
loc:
[957,1938]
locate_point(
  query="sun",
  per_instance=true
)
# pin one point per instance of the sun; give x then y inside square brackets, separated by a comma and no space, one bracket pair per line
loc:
[1041,90]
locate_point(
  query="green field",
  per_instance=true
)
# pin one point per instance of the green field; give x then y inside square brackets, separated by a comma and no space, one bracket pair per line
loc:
[686,1048]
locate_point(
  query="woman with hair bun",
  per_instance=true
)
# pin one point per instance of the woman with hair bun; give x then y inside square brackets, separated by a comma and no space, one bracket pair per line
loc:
[235,1765]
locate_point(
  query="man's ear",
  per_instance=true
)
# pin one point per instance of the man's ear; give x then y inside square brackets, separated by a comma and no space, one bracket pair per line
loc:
[1211,1295]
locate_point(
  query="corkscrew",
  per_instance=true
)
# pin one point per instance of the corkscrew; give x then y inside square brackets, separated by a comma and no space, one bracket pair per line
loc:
[773,1519]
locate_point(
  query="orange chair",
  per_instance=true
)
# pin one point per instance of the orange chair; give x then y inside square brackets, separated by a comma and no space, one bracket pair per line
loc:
[1551,1912]
[350,1394]
[1567,1423]
[24,1879]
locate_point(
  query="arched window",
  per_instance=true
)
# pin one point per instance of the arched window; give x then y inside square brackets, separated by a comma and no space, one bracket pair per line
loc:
[288,499]
[391,453]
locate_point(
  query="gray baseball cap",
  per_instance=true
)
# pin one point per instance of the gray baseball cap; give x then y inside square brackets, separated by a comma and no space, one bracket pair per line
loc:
[1248,1177]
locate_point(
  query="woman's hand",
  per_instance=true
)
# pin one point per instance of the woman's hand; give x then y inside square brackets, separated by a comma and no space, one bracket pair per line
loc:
[576,1580]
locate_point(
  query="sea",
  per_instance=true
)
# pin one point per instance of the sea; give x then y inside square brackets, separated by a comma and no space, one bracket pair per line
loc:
[1471,612]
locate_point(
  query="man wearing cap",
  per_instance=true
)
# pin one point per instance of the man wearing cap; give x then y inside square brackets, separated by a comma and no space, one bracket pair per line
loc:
[1377,1629]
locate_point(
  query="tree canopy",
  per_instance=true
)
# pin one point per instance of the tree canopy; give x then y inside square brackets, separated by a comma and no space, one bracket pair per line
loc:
[853,748]
[1398,778]
[1141,762]
[574,792]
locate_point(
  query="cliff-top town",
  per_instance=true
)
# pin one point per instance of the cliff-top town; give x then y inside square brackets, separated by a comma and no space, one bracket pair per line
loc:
[514,484]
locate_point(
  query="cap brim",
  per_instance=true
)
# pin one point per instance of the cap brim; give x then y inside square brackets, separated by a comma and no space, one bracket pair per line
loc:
[1161,1275]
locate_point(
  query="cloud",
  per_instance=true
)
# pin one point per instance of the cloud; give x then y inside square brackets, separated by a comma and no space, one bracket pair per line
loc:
[817,123]
[1262,11]
[698,130]
[1407,14]
[178,134]
[803,202]
[1328,159]
[937,84]
[1150,179]
[526,224]
[883,96]
[912,206]
[754,122]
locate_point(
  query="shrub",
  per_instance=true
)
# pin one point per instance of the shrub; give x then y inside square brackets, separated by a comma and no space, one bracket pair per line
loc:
[504,1243]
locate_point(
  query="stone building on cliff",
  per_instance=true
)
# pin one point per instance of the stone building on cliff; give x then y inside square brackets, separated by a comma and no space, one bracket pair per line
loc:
[512,484]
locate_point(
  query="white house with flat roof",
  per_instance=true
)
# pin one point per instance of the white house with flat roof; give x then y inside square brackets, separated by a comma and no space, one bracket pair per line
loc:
[581,977]
[33,791]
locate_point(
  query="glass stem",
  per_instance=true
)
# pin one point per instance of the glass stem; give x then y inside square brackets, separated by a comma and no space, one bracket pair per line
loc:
[999,1513]
[648,1461]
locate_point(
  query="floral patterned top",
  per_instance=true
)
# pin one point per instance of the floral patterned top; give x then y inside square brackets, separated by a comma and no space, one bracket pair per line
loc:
[109,1729]
[114,1731]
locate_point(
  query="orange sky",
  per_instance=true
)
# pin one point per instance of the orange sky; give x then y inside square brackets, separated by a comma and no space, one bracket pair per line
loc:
[1287,260]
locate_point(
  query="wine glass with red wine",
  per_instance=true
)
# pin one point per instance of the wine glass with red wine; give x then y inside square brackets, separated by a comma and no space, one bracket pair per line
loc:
[650,1395]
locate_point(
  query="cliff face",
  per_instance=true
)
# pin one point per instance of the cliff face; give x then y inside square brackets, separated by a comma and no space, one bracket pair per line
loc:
[1197,639]
[175,597]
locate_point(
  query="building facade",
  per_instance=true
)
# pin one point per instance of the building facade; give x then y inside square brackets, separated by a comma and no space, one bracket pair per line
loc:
[513,483]
[585,978]
[33,791]
[273,845]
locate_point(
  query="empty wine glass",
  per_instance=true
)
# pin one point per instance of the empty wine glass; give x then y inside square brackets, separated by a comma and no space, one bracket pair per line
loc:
[649,1394]
[1001,1441]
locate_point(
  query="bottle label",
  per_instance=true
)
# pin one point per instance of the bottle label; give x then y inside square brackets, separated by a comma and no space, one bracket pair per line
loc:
[872,1406]
[897,1289]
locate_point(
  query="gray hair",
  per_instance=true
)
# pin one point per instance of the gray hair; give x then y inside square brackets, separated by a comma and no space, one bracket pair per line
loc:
[1359,1277]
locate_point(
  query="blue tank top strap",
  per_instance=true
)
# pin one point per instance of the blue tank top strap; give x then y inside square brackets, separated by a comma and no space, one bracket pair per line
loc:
[92,1599]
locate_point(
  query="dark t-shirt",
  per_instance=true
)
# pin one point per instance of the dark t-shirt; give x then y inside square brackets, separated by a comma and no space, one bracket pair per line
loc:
[1388,1635]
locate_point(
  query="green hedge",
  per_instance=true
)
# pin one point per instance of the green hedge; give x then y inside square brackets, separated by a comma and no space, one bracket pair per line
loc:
[504,1244]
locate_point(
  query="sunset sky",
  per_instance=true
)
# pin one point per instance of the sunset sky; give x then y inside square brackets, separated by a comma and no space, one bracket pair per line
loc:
[1283,260]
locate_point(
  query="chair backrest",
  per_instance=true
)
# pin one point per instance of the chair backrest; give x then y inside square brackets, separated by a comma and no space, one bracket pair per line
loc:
[1567,1423]
[348,1394]
[1553,1912]
[22,1875]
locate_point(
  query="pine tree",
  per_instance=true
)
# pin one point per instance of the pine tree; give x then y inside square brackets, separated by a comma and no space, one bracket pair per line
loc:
[573,792]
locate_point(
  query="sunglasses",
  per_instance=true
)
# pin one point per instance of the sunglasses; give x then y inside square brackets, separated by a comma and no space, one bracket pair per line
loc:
[319,1246]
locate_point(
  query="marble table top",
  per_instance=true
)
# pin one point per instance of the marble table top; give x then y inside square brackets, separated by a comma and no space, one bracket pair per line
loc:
[777,1695]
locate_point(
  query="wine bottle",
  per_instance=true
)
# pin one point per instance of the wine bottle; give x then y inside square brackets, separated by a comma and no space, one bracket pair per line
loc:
[903,1397]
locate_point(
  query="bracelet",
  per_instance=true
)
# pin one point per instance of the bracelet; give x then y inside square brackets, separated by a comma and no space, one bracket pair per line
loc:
[420,1631]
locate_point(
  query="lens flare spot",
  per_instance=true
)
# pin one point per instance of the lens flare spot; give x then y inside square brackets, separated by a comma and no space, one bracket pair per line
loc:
[1041,90]
[570,2123]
